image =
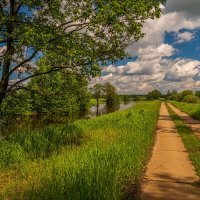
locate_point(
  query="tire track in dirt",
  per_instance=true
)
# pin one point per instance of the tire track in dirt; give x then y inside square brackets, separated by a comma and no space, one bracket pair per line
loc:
[169,174]
[194,124]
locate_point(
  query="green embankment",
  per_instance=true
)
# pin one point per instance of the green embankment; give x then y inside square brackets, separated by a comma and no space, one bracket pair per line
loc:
[190,140]
[190,108]
[101,158]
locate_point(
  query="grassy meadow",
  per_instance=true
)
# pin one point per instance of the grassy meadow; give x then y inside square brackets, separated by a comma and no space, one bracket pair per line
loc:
[101,158]
[190,140]
[190,108]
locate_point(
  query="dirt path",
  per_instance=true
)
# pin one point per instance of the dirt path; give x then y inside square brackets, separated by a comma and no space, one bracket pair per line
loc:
[192,123]
[170,173]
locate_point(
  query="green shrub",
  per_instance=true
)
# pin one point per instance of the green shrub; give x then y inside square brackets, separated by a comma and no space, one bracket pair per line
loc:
[190,99]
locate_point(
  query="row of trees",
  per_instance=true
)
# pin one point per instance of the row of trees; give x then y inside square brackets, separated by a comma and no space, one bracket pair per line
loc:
[61,92]
[184,96]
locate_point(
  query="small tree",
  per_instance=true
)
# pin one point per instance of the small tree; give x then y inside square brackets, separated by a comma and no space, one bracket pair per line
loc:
[197,93]
[97,91]
[126,98]
[155,94]
[111,96]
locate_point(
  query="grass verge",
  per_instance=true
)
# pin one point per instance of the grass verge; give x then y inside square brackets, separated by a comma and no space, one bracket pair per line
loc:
[190,108]
[107,164]
[190,140]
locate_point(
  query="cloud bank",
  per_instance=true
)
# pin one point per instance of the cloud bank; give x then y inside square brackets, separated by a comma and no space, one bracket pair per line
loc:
[155,67]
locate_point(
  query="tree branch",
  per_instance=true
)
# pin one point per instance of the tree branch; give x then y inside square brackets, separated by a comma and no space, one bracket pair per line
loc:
[1,9]
[25,88]
[22,63]
[34,75]
[12,5]
[18,8]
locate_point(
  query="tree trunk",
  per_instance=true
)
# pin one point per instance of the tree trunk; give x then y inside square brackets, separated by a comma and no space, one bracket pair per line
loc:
[97,106]
[8,56]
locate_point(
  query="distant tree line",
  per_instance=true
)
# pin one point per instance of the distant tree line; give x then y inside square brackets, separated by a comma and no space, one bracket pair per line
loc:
[184,96]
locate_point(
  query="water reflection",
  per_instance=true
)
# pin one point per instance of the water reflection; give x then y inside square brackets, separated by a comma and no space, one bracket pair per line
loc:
[10,125]
[102,109]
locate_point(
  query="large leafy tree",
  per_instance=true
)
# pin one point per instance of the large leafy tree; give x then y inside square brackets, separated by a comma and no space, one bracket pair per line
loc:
[70,34]
[61,92]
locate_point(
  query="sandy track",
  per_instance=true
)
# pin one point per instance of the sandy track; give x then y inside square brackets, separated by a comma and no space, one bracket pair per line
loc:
[192,123]
[170,173]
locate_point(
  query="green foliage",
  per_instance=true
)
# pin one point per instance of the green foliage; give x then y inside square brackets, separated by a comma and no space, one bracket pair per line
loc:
[60,93]
[74,35]
[190,99]
[111,96]
[126,98]
[183,94]
[155,94]
[179,96]
[197,93]
[97,91]
[17,103]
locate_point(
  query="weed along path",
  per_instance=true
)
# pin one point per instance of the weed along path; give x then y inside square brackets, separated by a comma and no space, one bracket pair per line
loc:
[192,123]
[170,174]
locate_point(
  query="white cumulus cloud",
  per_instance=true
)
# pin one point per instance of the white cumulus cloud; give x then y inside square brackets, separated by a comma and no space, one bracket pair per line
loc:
[185,37]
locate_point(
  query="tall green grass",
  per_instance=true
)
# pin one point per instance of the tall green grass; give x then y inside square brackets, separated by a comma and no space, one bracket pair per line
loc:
[107,165]
[39,143]
[190,108]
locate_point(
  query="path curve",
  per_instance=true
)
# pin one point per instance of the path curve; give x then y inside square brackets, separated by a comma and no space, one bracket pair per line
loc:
[194,124]
[169,174]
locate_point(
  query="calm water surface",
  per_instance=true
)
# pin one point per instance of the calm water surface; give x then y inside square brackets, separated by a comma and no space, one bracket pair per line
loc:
[10,125]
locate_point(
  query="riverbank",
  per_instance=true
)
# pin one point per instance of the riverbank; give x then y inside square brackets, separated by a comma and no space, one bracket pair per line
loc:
[100,158]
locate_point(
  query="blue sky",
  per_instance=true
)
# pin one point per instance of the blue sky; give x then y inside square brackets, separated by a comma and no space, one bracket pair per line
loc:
[189,49]
[167,58]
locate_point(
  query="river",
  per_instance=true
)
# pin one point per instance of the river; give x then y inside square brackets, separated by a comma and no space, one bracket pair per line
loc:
[10,125]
